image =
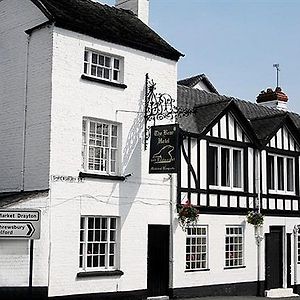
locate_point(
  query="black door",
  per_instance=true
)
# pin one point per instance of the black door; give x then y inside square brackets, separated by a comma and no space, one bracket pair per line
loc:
[274,258]
[158,260]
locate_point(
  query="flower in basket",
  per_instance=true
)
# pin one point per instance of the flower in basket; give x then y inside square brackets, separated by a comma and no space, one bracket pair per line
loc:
[255,218]
[187,215]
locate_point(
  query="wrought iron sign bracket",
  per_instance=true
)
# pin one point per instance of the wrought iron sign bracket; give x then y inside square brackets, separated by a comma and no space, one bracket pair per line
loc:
[158,107]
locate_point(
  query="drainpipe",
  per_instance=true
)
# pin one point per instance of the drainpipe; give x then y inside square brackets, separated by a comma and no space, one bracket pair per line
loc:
[25,114]
[295,232]
[258,231]
[171,261]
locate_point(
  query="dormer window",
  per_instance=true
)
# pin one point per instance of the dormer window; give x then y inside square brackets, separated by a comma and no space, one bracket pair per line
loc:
[102,66]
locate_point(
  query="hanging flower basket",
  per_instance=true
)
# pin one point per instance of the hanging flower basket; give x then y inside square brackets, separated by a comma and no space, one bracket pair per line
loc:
[187,215]
[255,218]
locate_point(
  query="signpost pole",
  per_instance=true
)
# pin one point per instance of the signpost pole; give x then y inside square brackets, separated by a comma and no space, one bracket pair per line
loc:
[31,244]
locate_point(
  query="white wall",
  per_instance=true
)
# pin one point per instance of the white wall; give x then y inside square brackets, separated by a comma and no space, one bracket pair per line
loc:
[216,254]
[15,18]
[141,200]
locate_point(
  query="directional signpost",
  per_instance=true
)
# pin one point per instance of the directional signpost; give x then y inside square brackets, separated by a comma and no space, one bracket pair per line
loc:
[20,224]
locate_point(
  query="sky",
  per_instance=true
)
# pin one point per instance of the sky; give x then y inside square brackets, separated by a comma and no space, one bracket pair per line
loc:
[234,42]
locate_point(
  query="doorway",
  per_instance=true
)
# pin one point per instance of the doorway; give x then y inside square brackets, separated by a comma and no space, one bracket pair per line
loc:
[158,260]
[274,258]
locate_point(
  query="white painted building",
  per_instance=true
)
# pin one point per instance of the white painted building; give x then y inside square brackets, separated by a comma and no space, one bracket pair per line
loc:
[73,82]
[72,145]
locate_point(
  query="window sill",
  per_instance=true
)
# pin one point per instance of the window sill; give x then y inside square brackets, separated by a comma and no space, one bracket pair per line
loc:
[237,267]
[100,273]
[192,271]
[278,192]
[111,83]
[225,188]
[101,176]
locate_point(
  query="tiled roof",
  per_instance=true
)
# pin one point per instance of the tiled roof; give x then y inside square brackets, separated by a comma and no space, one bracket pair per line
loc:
[264,120]
[107,23]
[9,198]
[267,126]
[189,97]
[192,81]
[202,117]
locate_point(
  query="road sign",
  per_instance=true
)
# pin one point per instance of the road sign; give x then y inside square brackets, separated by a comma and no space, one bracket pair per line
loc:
[20,224]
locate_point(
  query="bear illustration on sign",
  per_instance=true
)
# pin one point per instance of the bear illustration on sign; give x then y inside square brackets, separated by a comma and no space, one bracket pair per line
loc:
[164,155]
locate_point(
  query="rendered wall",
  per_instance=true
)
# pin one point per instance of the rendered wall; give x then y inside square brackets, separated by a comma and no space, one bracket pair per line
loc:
[140,200]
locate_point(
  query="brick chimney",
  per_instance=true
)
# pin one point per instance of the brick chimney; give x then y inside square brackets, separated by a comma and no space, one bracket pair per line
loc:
[275,99]
[139,7]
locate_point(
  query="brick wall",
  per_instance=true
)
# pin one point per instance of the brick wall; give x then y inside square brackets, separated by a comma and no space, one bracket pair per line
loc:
[14,20]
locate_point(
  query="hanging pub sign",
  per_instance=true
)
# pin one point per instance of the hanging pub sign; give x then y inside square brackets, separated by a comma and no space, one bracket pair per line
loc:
[164,149]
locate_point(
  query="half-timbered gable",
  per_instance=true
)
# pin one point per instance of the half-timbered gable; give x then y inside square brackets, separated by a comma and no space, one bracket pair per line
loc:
[279,164]
[283,139]
[228,128]
[236,154]
[217,163]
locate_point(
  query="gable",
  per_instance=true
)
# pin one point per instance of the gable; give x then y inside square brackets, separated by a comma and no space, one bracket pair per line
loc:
[228,127]
[283,139]
[201,86]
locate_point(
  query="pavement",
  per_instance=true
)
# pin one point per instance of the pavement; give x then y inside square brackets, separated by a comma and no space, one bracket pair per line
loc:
[238,298]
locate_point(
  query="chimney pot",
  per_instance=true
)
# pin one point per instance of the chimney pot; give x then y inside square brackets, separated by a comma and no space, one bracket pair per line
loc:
[275,99]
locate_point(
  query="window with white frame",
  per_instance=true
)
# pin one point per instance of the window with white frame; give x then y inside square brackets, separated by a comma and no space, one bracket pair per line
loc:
[280,173]
[234,246]
[225,167]
[196,248]
[98,243]
[102,66]
[100,144]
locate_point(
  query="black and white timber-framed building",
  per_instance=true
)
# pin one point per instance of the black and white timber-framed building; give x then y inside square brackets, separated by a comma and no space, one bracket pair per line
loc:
[236,157]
